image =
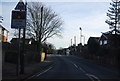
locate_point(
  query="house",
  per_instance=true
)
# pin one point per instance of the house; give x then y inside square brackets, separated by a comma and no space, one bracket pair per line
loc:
[3,34]
[109,40]
[93,44]
[94,39]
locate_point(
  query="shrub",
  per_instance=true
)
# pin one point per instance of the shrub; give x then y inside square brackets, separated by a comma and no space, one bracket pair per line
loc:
[11,56]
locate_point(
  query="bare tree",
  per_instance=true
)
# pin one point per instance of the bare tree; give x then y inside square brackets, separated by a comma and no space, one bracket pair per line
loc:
[42,22]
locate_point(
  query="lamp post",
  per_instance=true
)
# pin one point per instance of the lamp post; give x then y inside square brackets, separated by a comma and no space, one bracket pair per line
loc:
[84,39]
[71,42]
[75,40]
[80,35]
[80,39]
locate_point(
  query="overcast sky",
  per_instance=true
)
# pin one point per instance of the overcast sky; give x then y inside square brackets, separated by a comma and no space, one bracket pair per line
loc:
[90,15]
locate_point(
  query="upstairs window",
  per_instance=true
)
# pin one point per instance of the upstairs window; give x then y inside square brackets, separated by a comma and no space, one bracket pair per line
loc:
[105,42]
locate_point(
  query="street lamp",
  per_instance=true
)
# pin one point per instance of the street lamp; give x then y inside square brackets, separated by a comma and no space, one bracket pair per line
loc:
[84,39]
[80,35]
[71,42]
[80,39]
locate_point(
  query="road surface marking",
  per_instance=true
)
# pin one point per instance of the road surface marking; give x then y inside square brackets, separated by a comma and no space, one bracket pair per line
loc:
[38,74]
[93,77]
[75,65]
[78,67]
[82,70]
[31,77]
[43,72]
[90,77]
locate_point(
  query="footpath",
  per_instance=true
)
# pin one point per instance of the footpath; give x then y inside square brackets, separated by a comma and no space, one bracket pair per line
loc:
[9,70]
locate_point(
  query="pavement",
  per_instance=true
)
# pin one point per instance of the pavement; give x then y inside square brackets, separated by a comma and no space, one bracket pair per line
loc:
[9,70]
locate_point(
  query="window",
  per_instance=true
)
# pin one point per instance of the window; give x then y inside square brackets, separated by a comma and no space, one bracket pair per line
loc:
[0,31]
[101,42]
[105,41]
[5,33]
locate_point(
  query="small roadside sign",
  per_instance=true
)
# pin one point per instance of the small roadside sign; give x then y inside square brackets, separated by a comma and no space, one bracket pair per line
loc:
[18,19]
[20,6]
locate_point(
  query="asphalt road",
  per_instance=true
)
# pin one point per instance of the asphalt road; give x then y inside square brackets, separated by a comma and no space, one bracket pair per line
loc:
[72,67]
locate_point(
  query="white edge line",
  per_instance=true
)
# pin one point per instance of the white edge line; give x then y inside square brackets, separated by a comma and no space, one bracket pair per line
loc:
[95,77]
[31,77]
[44,72]
[89,75]
[82,70]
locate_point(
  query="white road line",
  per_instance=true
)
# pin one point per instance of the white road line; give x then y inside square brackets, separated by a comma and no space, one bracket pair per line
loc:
[78,67]
[82,70]
[75,65]
[92,77]
[43,72]
[31,77]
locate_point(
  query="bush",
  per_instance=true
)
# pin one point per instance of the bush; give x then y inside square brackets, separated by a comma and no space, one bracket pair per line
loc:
[11,56]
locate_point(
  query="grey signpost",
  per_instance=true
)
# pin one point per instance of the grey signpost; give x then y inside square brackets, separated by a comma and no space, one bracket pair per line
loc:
[18,21]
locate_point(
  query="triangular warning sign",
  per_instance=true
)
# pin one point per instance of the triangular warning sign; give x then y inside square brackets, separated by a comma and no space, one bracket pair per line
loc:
[20,5]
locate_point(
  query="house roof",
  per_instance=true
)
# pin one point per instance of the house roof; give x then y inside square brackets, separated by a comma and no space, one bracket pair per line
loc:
[108,36]
[3,28]
[17,39]
[113,39]
[96,38]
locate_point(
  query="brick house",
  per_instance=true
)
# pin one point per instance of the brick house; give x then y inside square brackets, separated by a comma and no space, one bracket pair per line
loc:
[3,34]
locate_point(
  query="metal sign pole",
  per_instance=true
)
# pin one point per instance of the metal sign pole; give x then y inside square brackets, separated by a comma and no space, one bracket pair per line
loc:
[19,22]
[23,45]
[18,56]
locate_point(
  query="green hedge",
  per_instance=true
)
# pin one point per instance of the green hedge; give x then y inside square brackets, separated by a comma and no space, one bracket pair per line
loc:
[11,56]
